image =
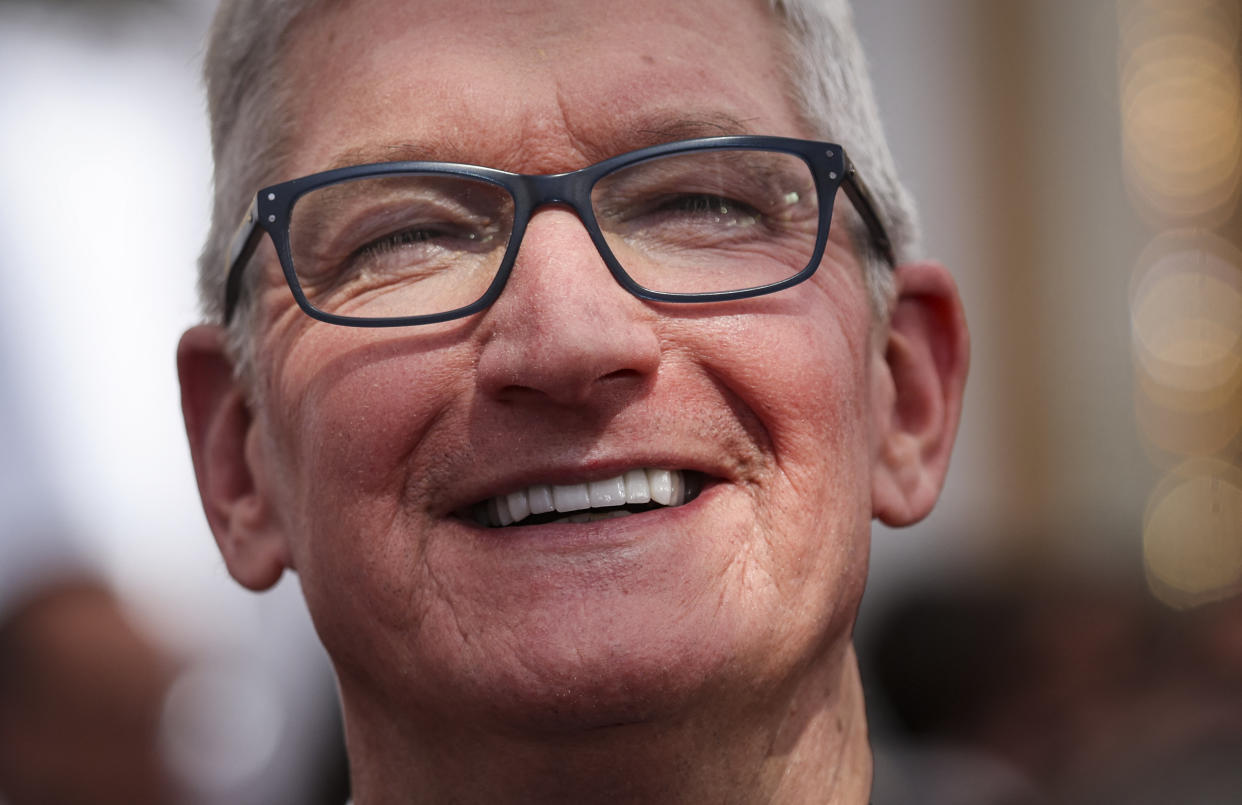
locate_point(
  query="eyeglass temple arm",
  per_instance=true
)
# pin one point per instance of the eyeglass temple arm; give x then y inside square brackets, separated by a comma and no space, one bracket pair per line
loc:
[241,248]
[865,204]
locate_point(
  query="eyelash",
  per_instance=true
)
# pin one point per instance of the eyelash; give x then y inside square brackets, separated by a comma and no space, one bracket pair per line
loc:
[396,240]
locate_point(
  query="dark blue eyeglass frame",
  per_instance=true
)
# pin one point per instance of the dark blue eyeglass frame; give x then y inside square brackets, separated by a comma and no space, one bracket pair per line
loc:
[273,207]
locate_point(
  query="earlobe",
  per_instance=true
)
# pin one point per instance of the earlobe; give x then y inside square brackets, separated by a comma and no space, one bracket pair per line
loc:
[222,444]
[918,394]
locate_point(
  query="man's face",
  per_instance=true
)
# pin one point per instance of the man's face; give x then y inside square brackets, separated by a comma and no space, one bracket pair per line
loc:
[371,444]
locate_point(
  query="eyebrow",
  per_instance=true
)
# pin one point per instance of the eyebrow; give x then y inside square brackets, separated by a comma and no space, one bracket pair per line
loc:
[678,127]
[651,132]
[392,152]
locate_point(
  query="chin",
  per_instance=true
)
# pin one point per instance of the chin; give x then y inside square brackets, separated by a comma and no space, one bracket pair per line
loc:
[597,685]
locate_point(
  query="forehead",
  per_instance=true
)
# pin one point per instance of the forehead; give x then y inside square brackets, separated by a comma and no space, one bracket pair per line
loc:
[529,85]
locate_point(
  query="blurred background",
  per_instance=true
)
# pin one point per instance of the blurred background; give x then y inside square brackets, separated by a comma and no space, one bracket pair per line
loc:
[1066,627]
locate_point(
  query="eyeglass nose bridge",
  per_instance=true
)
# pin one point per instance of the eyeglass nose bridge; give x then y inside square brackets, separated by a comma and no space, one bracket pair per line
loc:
[572,190]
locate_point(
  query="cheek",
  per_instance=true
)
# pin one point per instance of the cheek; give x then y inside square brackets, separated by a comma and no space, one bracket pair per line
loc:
[803,379]
[357,405]
[818,425]
[358,414]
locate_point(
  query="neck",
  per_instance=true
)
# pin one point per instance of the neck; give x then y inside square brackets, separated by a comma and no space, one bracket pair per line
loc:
[808,745]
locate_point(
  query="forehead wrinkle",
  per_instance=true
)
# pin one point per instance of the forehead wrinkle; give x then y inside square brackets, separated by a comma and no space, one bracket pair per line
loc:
[570,126]
[648,129]
[661,129]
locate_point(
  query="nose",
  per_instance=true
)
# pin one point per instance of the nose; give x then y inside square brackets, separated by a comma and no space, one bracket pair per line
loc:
[563,330]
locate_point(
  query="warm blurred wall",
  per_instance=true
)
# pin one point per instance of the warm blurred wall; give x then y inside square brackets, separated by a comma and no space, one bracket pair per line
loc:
[1077,163]
[1016,126]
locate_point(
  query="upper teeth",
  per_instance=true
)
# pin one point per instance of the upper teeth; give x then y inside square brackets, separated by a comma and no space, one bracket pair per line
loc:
[666,487]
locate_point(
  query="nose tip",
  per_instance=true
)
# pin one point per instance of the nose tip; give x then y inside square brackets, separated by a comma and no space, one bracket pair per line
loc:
[564,330]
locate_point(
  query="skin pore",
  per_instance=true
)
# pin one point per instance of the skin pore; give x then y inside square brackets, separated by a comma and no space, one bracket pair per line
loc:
[691,654]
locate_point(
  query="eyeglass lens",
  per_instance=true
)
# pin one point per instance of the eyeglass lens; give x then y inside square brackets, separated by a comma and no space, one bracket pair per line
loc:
[421,244]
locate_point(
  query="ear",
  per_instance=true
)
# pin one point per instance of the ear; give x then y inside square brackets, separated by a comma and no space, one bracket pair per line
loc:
[226,450]
[919,381]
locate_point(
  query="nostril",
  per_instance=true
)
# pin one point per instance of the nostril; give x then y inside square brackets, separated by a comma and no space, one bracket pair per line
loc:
[529,354]
[623,375]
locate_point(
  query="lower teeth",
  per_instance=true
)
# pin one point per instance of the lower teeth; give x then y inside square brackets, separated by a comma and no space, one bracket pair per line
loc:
[591,517]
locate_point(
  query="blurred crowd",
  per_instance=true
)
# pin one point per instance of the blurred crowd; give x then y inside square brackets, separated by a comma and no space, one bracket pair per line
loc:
[95,710]
[1059,686]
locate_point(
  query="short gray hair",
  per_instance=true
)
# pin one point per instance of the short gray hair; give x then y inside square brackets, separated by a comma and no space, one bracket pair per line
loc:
[248,105]
[832,91]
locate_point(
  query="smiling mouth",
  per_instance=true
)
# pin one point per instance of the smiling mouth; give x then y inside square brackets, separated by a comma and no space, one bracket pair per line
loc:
[632,492]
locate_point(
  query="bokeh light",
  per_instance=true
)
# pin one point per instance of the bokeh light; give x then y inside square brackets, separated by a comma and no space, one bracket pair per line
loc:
[1192,534]
[1181,95]
[1186,307]
[1182,109]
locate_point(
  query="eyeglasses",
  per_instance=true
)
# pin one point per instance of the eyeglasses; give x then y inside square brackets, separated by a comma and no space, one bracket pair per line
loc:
[406,243]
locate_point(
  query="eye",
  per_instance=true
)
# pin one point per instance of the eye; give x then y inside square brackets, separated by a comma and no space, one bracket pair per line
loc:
[414,236]
[420,246]
[715,208]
